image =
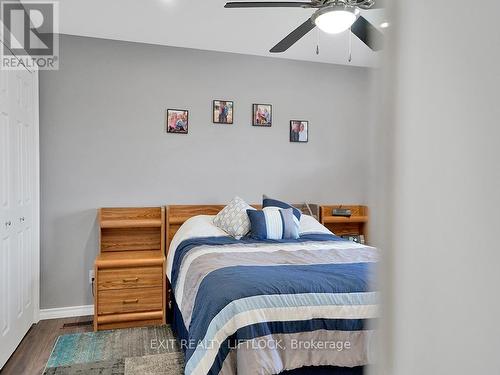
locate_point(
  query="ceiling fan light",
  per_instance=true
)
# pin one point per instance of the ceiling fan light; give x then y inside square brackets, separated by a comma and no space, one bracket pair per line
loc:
[335,18]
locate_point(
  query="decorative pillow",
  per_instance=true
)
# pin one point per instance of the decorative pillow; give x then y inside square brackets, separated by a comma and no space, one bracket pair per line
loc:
[309,224]
[273,224]
[233,218]
[269,202]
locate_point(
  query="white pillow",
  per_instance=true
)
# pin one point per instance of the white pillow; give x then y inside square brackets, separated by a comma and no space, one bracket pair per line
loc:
[308,224]
[233,218]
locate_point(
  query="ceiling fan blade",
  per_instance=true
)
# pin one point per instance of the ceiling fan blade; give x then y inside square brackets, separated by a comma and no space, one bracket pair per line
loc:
[378,4]
[368,33]
[267,4]
[293,37]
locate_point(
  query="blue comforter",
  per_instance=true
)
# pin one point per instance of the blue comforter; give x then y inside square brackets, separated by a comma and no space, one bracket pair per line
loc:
[269,306]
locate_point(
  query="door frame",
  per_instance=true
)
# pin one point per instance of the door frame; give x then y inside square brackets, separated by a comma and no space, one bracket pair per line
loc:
[36,195]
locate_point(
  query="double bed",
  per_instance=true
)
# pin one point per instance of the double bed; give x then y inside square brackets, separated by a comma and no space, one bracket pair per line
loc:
[249,306]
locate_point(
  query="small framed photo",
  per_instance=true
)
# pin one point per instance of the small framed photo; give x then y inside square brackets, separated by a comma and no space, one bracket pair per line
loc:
[262,115]
[299,131]
[222,112]
[177,121]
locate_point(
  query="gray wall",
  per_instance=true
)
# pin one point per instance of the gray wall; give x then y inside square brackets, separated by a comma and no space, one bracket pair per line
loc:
[103,141]
[441,212]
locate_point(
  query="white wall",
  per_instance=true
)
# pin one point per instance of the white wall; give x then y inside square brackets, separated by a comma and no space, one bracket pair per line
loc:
[103,141]
[442,203]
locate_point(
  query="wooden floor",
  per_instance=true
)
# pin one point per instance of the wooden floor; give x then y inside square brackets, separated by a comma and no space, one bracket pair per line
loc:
[32,354]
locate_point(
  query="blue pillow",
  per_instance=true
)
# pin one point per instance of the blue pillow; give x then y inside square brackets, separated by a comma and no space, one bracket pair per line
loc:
[273,224]
[269,202]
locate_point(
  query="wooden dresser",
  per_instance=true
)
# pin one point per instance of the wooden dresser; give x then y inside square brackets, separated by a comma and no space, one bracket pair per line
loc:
[130,281]
[355,225]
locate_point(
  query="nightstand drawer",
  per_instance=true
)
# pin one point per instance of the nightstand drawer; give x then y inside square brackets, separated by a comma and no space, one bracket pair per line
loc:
[130,300]
[125,278]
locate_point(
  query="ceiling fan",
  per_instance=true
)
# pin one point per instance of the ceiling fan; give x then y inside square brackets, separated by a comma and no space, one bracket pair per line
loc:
[331,16]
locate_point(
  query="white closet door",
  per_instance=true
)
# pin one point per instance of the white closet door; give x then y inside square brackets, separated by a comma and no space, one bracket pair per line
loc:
[19,244]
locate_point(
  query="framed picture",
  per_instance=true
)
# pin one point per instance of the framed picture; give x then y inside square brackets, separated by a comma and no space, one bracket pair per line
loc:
[299,131]
[222,112]
[177,121]
[262,115]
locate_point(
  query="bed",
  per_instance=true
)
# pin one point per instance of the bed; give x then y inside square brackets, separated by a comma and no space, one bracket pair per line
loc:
[274,306]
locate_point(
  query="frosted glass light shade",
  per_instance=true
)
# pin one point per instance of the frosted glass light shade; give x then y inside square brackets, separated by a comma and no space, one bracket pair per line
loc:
[335,19]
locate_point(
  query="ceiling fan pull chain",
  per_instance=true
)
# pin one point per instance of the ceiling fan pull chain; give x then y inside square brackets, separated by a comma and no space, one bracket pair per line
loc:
[317,42]
[350,45]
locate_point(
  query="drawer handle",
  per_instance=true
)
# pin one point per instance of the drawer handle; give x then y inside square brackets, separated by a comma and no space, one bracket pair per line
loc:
[131,280]
[131,300]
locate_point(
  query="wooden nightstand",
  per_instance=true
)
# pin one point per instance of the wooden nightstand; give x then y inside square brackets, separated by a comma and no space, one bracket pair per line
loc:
[355,225]
[130,281]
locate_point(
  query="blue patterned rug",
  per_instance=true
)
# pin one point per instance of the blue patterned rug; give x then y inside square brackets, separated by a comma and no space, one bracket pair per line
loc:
[145,351]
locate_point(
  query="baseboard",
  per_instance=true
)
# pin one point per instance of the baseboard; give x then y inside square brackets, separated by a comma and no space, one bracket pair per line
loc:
[66,312]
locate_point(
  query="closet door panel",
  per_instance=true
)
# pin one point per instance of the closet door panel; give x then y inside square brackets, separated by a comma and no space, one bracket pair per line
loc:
[18,206]
[5,277]
[5,171]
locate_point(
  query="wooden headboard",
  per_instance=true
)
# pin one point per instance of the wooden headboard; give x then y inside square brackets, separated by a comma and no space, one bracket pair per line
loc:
[176,215]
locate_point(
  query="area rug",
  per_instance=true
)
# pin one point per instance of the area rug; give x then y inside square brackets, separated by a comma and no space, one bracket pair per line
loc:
[145,351]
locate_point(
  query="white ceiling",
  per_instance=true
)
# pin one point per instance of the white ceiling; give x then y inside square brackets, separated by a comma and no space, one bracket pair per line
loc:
[206,24]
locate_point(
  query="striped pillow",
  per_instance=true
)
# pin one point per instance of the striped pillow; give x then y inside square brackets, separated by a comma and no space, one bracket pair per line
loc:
[273,224]
[270,202]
